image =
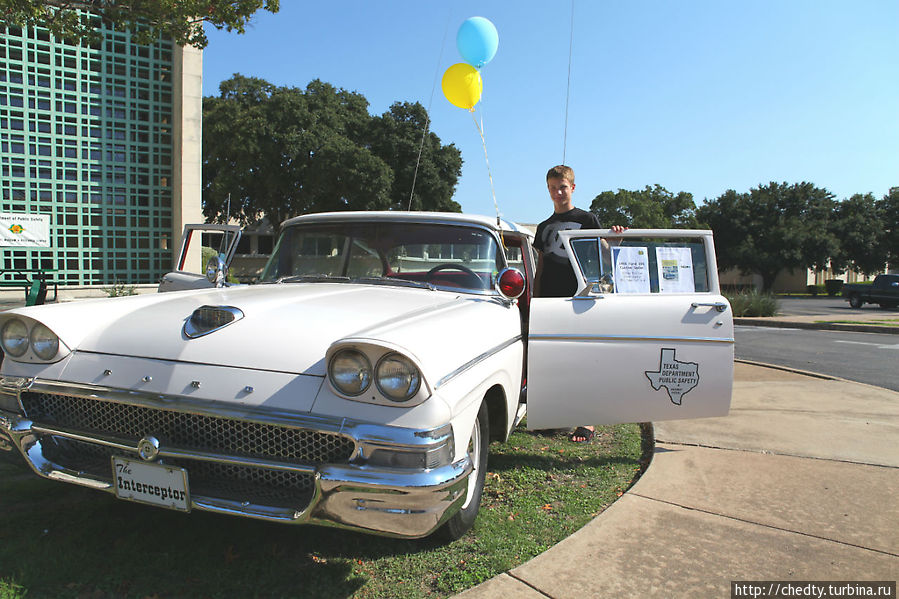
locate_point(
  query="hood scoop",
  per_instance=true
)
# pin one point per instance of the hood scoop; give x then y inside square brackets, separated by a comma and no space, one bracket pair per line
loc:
[208,319]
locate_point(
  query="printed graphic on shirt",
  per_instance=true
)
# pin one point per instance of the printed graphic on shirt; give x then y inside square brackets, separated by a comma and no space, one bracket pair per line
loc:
[552,242]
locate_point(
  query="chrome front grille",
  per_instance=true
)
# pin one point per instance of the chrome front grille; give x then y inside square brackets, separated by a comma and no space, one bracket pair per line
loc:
[187,431]
[259,486]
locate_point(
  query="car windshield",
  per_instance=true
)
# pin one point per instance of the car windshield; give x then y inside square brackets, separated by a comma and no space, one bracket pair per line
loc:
[445,256]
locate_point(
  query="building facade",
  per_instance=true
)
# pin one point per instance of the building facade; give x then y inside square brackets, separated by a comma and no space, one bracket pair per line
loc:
[106,140]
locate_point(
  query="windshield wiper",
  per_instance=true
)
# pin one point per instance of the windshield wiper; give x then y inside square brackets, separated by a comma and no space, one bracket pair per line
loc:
[313,279]
[394,281]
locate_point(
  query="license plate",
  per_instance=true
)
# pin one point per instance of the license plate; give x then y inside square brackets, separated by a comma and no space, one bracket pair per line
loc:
[155,484]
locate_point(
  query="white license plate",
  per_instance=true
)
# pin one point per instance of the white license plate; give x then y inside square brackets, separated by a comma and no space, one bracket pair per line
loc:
[155,484]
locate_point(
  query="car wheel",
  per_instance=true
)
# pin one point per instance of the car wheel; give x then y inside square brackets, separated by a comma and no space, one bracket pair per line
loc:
[478,446]
[855,301]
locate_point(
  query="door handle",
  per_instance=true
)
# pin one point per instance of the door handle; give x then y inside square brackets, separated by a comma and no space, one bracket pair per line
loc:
[720,306]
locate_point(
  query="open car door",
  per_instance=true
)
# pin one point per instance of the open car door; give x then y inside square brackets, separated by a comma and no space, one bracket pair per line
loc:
[191,271]
[647,337]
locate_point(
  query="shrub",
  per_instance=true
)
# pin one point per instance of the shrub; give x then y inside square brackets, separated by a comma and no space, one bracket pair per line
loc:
[118,289]
[753,303]
[833,286]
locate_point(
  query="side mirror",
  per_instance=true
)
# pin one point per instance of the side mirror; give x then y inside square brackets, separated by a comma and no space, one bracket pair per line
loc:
[216,271]
[602,286]
[606,284]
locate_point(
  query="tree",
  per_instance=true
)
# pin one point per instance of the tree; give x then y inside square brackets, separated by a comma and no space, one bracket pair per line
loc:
[890,211]
[181,20]
[859,223]
[396,137]
[771,228]
[650,208]
[284,151]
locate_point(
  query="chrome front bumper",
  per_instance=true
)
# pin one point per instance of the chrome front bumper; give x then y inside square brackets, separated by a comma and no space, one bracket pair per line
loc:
[408,503]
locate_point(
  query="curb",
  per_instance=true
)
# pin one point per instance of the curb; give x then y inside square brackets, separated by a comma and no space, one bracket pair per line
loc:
[826,326]
[817,375]
[809,373]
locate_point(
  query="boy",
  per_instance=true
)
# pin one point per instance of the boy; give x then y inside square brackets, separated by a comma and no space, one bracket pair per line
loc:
[555,276]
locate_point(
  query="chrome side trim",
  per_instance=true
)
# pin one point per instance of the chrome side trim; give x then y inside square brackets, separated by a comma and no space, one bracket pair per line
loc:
[472,363]
[576,337]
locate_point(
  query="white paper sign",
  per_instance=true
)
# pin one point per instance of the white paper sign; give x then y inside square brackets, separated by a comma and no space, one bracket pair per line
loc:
[631,269]
[675,270]
[25,230]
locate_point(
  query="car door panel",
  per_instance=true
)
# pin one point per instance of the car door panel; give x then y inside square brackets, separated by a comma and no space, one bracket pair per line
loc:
[604,358]
[189,272]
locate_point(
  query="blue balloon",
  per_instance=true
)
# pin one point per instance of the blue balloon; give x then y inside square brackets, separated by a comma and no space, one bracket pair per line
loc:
[477,41]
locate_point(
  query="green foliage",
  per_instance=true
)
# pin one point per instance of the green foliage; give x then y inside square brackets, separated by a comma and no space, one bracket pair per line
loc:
[815,290]
[11,590]
[773,227]
[753,303]
[206,254]
[833,287]
[539,490]
[119,289]
[650,208]
[863,239]
[890,214]
[396,137]
[284,151]
[181,20]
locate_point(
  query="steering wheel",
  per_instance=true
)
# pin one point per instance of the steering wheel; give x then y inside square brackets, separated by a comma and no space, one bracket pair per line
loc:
[475,279]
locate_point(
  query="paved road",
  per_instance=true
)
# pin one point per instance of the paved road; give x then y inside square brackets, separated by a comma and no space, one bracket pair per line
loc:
[864,357]
[828,306]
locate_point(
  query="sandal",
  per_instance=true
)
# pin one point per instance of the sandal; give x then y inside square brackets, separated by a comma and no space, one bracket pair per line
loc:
[583,433]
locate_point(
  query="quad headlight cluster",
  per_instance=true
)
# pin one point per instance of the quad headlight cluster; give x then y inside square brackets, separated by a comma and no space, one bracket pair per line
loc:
[18,336]
[395,376]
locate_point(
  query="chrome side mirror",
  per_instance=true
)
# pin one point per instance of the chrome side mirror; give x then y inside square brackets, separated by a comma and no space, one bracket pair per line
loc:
[216,271]
[602,286]
[606,283]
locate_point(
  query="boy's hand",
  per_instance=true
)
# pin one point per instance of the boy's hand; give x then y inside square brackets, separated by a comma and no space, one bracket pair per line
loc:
[618,229]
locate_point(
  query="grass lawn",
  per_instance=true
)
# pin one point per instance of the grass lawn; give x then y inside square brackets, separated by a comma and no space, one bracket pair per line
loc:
[883,322]
[60,540]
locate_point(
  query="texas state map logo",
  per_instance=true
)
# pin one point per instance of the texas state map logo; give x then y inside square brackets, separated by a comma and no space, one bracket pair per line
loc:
[677,377]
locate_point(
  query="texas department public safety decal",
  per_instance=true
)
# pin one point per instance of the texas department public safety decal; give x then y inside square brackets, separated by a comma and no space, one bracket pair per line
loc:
[677,377]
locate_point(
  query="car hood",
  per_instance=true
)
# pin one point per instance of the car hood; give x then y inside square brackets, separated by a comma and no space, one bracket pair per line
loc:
[285,328]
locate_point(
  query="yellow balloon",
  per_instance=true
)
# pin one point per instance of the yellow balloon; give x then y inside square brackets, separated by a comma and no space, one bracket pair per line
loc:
[462,85]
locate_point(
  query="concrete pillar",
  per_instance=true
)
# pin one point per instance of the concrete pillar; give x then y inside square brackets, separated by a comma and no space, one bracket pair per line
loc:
[187,140]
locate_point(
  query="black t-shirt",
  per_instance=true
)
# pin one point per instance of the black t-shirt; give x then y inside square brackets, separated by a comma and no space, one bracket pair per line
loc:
[557,278]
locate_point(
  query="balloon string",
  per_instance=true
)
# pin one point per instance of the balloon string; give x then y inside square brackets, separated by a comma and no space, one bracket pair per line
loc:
[424,132]
[480,128]
[568,89]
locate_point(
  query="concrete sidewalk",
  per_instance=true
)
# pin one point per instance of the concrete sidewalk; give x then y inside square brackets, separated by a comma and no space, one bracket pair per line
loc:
[798,483]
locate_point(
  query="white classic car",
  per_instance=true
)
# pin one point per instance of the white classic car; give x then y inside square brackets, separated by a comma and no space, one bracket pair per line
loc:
[359,384]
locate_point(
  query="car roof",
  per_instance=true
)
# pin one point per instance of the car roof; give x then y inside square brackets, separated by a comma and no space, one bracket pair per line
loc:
[493,223]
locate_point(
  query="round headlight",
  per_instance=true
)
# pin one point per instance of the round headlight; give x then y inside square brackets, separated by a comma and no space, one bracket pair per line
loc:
[397,377]
[350,372]
[44,342]
[14,338]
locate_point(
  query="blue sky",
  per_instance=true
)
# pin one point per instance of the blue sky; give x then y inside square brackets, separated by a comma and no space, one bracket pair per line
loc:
[699,96]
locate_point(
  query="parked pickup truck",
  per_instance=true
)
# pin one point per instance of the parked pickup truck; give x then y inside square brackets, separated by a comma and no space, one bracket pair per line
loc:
[884,291]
